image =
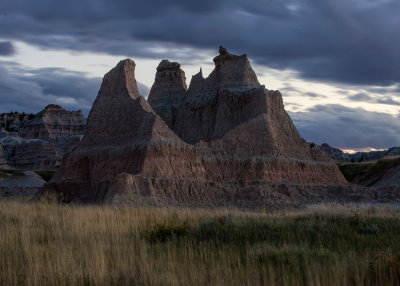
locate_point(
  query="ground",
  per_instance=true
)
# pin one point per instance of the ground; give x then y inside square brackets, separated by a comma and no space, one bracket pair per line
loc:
[49,244]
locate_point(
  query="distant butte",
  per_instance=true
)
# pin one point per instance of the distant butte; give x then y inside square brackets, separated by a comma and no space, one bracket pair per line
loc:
[225,140]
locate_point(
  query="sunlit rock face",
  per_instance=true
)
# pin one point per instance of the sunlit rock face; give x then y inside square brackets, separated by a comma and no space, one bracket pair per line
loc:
[225,140]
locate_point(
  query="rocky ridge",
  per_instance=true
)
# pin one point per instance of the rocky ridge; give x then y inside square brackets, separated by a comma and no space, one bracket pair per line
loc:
[38,142]
[53,121]
[340,156]
[226,140]
[12,121]
[21,184]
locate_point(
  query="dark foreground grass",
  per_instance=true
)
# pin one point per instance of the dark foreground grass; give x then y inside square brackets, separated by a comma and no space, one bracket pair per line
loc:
[68,245]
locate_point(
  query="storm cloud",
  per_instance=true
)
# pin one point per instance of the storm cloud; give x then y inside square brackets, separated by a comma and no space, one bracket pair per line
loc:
[346,127]
[352,45]
[29,90]
[6,49]
[335,40]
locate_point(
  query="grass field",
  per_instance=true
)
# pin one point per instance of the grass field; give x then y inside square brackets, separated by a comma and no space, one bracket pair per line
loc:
[46,244]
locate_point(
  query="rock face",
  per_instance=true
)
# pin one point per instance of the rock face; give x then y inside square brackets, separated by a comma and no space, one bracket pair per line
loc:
[38,142]
[37,154]
[2,160]
[53,121]
[340,156]
[123,134]
[12,121]
[21,184]
[224,141]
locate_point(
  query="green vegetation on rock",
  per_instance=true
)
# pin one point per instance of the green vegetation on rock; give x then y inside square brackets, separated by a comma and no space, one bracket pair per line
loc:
[367,173]
[46,175]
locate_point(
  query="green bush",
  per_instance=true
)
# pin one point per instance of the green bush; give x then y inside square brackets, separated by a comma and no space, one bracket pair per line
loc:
[46,175]
[166,231]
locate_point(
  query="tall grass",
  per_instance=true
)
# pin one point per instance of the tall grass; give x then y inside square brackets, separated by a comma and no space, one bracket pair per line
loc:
[45,244]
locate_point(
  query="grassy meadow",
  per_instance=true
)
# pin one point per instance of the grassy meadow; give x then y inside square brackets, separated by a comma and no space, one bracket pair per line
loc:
[49,244]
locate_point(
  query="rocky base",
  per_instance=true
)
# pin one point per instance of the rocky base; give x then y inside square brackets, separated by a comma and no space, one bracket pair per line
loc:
[24,184]
[139,190]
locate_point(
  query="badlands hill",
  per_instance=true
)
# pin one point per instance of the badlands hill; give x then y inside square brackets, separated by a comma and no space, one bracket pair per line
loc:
[38,142]
[225,140]
[358,157]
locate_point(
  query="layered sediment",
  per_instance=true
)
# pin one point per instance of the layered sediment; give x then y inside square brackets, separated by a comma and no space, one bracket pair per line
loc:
[38,142]
[53,121]
[225,140]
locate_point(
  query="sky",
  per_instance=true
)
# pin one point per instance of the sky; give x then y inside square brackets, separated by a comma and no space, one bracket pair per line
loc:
[336,62]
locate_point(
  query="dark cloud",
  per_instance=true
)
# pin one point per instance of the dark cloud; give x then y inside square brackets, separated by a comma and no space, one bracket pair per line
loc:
[341,41]
[385,97]
[30,90]
[6,49]
[346,127]
[360,97]
[333,40]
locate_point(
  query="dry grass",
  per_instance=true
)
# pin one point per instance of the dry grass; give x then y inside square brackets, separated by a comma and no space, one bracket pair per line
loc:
[45,244]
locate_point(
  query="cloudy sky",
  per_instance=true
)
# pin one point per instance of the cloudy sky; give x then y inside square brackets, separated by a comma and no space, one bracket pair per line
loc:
[336,62]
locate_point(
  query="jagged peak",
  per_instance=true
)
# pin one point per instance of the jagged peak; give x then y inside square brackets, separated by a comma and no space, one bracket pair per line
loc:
[166,65]
[169,85]
[122,77]
[225,55]
[53,106]
[198,75]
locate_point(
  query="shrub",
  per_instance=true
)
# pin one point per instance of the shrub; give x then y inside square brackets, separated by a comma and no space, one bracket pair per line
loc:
[46,175]
[165,231]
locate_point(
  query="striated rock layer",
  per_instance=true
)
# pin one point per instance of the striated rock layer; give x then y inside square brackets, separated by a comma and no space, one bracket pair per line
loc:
[226,140]
[38,142]
[37,154]
[123,134]
[53,121]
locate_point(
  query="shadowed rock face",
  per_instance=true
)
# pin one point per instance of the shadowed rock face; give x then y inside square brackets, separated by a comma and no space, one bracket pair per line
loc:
[225,140]
[21,184]
[40,141]
[123,134]
[2,160]
[169,86]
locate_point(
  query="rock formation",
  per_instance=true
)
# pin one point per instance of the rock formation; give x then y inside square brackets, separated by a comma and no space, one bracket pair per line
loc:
[2,160]
[38,142]
[123,134]
[12,121]
[226,140]
[21,184]
[53,121]
[340,156]
[37,154]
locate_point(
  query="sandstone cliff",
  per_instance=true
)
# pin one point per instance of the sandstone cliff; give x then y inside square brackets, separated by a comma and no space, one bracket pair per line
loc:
[226,140]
